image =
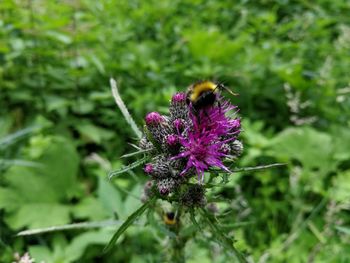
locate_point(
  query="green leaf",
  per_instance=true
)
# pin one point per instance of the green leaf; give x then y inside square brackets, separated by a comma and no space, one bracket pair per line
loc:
[78,246]
[130,220]
[136,153]
[110,198]
[31,193]
[90,132]
[35,215]
[343,229]
[14,137]
[257,168]
[123,109]
[341,187]
[227,243]
[65,39]
[19,163]
[193,219]
[127,168]
[91,208]
[317,148]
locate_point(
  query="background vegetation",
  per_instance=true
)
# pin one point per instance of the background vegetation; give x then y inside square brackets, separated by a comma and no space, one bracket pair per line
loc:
[60,131]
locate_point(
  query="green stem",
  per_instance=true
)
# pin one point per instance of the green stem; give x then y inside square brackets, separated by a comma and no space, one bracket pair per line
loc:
[178,243]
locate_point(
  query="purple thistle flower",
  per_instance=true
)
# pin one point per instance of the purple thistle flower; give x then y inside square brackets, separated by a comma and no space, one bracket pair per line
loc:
[204,142]
[189,141]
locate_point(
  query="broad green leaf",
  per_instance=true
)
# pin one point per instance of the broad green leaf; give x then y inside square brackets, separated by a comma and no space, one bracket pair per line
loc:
[132,200]
[314,149]
[93,133]
[34,215]
[91,208]
[110,197]
[43,190]
[341,187]
[80,243]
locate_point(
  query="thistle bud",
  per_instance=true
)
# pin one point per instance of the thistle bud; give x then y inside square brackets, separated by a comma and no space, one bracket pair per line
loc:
[145,144]
[225,148]
[161,167]
[236,148]
[147,191]
[158,126]
[178,108]
[166,186]
[193,196]
[148,168]
[154,119]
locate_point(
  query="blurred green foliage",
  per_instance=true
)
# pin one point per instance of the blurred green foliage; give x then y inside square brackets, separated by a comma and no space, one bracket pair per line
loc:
[60,131]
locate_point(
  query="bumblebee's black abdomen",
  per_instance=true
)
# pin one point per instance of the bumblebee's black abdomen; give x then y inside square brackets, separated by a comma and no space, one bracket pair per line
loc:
[207,98]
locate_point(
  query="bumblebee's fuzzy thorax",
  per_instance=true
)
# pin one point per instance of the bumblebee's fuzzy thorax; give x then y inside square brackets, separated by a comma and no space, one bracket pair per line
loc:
[202,94]
[200,88]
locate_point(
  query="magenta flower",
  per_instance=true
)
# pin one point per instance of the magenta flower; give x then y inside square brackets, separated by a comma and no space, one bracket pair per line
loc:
[189,142]
[204,143]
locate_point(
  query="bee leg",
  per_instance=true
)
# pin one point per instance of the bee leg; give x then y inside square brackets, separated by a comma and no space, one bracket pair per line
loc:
[206,114]
[219,105]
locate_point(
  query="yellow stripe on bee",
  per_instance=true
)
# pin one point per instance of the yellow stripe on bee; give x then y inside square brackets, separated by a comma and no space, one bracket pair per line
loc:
[169,221]
[201,87]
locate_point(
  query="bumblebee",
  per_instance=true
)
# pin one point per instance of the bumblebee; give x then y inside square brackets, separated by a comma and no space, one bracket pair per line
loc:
[203,94]
[169,218]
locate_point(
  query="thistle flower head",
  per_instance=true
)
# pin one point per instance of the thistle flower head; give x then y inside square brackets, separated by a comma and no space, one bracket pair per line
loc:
[204,143]
[153,119]
[190,142]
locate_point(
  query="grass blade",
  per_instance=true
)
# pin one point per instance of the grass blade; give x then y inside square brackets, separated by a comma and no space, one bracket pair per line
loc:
[14,137]
[123,108]
[20,163]
[127,168]
[345,230]
[83,225]
[130,220]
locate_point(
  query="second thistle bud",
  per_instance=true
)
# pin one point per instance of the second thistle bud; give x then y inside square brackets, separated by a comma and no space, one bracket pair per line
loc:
[154,119]
[166,186]
[158,126]
[193,196]
[178,107]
